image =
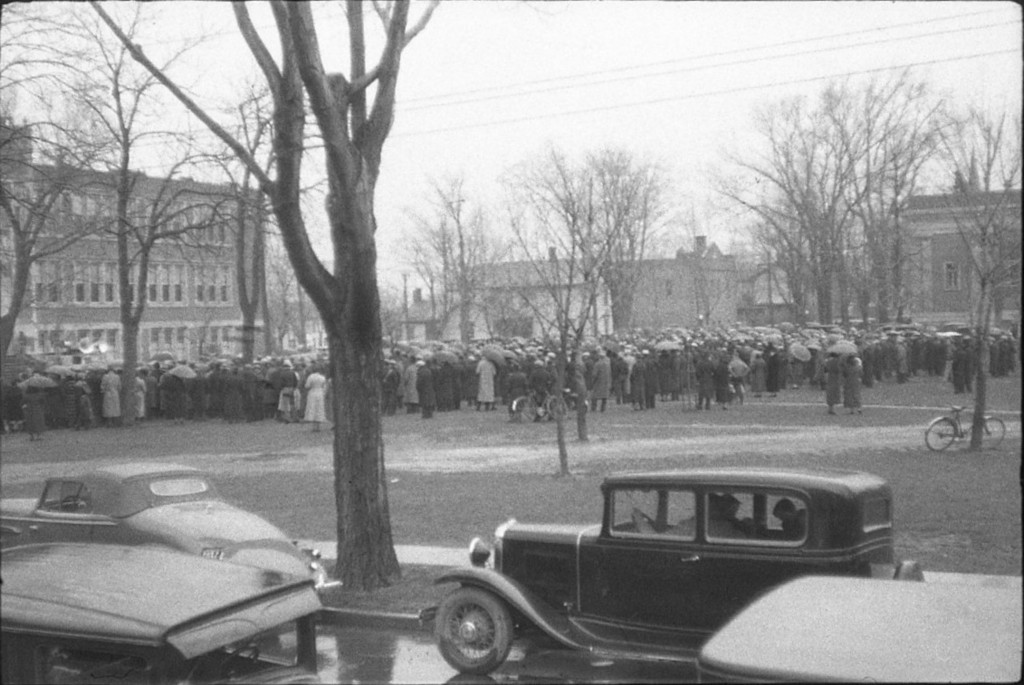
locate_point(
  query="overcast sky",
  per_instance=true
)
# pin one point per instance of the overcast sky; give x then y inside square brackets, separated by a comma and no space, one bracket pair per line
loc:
[490,84]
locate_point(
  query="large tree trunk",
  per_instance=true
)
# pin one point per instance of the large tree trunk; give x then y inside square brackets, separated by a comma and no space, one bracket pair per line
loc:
[130,345]
[360,484]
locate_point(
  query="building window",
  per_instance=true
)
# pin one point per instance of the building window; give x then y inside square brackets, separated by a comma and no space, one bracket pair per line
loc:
[53,282]
[154,336]
[181,335]
[168,336]
[112,338]
[951,276]
[224,275]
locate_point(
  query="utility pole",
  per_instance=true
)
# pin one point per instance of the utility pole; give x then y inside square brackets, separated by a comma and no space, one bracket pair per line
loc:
[405,306]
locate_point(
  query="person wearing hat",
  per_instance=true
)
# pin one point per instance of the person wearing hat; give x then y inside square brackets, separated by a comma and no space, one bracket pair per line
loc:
[723,520]
[425,389]
[833,370]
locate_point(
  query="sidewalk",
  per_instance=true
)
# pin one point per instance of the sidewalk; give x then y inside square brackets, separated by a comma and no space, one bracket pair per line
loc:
[428,555]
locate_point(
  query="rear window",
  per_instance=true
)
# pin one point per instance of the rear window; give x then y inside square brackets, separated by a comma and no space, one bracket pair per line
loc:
[178,487]
[877,514]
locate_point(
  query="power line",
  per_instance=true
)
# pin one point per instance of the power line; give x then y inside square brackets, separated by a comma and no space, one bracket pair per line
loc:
[767,46]
[693,68]
[691,96]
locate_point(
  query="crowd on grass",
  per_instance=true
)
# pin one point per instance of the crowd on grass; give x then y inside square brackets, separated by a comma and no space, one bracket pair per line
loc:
[701,370]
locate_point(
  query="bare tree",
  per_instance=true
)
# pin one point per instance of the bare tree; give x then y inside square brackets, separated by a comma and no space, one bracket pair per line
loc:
[353,130]
[630,194]
[984,154]
[554,211]
[891,131]
[41,160]
[452,252]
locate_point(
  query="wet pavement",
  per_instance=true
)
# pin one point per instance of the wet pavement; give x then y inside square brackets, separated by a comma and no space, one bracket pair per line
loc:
[354,654]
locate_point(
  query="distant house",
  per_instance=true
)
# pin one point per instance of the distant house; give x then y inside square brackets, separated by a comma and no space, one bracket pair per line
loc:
[697,288]
[943,281]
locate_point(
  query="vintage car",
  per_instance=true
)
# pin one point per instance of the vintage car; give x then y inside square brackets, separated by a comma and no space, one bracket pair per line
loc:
[84,613]
[820,629]
[161,504]
[676,555]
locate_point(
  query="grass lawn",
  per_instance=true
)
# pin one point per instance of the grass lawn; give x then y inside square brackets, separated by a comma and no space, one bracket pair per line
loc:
[955,511]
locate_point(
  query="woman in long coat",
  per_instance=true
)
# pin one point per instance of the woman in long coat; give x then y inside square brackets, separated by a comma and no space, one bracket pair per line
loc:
[601,388]
[485,390]
[315,386]
[110,386]
[425,389]
[853,372]
[412,396]
[758,374]
[35,412]
[833,381]
[773,368]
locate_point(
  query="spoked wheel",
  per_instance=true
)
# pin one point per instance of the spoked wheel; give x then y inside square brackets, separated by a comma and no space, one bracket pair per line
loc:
[518,408]
[473,630]
[940,434]
[995,431]
[529,408]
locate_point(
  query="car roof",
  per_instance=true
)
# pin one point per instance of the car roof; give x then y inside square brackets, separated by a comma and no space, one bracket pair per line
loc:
[745,476]
[136,469]
[143,595]
[869,630]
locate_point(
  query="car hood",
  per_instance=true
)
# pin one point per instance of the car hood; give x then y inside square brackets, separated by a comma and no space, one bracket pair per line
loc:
[551,532]
[17,507]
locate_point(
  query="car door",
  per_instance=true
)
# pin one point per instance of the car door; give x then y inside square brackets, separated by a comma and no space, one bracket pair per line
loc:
[642,571]
[759,551]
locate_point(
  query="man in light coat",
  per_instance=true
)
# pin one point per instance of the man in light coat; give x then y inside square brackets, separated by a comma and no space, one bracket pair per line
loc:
[601,382]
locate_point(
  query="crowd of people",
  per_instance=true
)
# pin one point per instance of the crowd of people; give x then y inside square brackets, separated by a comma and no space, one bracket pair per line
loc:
[703,370]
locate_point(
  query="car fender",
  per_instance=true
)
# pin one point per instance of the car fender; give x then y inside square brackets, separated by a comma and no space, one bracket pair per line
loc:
[520,599]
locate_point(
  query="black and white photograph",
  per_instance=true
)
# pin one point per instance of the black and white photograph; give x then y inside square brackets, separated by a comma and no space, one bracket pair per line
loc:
[510,341]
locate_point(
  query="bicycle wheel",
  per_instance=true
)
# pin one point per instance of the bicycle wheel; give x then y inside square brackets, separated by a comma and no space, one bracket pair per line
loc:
[530,409]
[557,408]
[940,434]
[995,431]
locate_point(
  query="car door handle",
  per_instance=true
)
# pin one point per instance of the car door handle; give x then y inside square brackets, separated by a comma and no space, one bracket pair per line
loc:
[689,558]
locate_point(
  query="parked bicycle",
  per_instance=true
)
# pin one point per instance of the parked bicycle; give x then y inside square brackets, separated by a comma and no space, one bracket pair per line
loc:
[945,430]
[529,408]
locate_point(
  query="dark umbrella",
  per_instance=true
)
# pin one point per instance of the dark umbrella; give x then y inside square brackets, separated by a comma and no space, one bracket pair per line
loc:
[495,354]
[38,382]
[446,356]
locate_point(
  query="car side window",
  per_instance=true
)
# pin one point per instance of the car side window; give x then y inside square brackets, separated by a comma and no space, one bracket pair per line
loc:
[755,518]
[729,516]
[61,664]
[67,497]
[651,512]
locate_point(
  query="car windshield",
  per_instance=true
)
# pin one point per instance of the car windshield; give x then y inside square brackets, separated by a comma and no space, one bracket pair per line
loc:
[241,660]
[178,487]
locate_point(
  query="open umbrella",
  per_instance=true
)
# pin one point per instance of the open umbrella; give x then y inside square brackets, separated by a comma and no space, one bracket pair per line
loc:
[162,357]
[446,356]
[494,353]
[59,370]
[38,382]
[667,345]
[800,352]
[611,346]
[812,345]
[774,339]
[182,371]
[843,347]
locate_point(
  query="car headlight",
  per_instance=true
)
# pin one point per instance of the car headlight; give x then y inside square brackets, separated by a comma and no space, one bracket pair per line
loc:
[479,552]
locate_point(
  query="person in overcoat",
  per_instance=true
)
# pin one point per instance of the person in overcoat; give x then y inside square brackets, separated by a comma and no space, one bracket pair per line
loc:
[723,386]
[758,373]
[412,396]
[773,370]
[638,383]
[601,385]
[833,370]
[853,371]
[652,380]
[425,389]
[705,380]
[34,409]
[485,371]
[110,387]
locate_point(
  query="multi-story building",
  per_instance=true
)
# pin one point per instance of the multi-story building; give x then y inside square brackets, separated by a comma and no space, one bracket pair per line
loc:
[943,280]
[73,299]
[697,288]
